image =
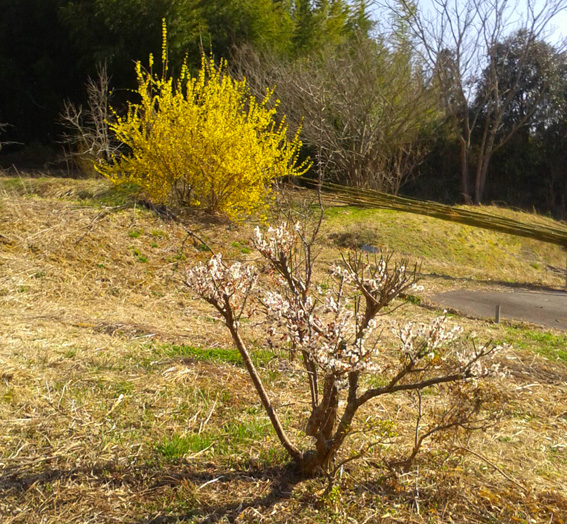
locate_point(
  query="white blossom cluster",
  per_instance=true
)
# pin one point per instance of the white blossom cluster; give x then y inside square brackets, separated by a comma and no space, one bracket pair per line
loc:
[326,328]
[373,284]
[426,341]
[342,273]
[218,283]
[327,332]
[423,340]
[475,366]
[278,240]
[375,279]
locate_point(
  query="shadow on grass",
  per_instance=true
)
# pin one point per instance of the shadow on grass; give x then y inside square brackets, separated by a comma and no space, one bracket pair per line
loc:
[146,479]
[512,285]
[282,481]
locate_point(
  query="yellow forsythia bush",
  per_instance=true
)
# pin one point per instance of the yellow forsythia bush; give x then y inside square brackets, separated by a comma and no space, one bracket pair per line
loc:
[203,141]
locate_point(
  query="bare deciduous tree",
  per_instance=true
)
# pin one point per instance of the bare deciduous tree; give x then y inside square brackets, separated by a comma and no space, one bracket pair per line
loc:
[461,43]
[88,137]
[365,108]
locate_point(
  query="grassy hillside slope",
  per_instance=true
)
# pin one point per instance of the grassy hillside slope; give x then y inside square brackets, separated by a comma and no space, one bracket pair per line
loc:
[122,399]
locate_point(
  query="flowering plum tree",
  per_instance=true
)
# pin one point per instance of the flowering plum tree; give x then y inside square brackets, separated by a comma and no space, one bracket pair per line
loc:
[337,334]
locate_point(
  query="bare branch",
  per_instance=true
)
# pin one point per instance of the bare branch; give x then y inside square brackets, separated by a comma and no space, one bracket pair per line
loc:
[88,137]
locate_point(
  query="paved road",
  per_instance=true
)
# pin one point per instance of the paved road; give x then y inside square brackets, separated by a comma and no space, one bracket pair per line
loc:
[548,308]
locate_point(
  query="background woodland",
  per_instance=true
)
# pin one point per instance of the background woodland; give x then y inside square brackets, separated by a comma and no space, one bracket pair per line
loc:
[453,104]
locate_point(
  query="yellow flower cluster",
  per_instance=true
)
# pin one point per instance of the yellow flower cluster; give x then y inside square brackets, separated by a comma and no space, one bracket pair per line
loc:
[203,141]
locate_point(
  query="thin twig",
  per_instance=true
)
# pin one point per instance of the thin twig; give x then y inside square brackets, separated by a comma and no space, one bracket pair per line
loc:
[505,475]
[100,216]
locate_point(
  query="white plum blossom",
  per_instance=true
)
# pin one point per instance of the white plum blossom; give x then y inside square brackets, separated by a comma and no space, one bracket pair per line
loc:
[342,273]
[372,284]
[325,327]
[278,240]
[425,339]
[475,367]
[327,332]
[220,284]
[374,278]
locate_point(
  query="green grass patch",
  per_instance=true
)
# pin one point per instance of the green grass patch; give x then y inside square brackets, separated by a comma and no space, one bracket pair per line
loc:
[250,430]
[548,345]
[140,256]
[226,440]
[176,258]
[123,387]
[177,446]
[70,353]
[241,247]
[228,355]
[376,381]
[444,246]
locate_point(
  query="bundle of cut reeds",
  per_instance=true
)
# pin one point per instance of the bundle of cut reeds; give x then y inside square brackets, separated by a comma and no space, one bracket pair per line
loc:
[367,198]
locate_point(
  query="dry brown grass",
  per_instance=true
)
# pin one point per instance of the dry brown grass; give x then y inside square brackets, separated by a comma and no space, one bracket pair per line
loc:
[104,419]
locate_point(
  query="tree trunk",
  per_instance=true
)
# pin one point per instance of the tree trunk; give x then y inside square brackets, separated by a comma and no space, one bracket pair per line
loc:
[465,189]
[294,452]
[482,171]
[317,460]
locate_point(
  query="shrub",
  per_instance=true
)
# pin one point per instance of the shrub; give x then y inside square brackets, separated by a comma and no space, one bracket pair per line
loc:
[203,141]
[87,137]
[336,331]
[368,110]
